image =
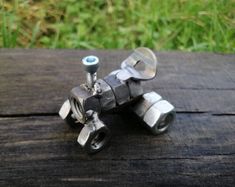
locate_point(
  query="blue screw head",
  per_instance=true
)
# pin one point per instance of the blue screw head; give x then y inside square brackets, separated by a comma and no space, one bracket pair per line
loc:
[90,59]
[91,63]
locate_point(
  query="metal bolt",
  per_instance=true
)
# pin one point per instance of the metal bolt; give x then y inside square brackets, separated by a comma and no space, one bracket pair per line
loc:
[91,64]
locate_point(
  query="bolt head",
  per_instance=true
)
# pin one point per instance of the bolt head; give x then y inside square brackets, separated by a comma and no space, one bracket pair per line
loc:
[91,64]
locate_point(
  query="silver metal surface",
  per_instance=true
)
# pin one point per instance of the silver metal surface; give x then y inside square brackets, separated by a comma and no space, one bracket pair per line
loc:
[66,114]
[135,88]
[159,116]
[91,79]
[147,100]
[65,109]
[81,101]
[91,64]
[120,89]
[107,98]
[114,72]
[94,135]
[140,65]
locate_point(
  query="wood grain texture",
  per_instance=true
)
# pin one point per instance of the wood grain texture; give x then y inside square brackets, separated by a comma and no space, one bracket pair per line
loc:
[42,150]
[38,149]
[39,80]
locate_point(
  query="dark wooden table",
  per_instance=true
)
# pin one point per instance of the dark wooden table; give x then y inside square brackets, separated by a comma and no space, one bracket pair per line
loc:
[38,149]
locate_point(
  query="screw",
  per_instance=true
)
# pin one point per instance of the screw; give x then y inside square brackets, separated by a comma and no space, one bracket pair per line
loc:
[91,64]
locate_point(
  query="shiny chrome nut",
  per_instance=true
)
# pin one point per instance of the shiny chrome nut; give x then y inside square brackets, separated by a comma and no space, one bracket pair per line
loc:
[94,135]
[145,103]
[81,101]
[120,89]
[159,116]
[66,113]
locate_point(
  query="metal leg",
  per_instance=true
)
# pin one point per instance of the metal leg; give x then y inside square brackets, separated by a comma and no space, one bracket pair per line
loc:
[156,113]
[66,114]
[94,135]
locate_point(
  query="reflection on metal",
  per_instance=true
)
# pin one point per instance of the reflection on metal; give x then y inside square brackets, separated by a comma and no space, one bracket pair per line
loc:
[120,88]
[140,65]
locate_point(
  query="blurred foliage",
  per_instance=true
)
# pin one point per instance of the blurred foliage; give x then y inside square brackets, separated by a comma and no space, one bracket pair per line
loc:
[202,25]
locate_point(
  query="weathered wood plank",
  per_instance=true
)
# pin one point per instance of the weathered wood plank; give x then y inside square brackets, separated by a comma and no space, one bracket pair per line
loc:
[198,150]
[40,149]
[167,172]
[39,80]
[192,135]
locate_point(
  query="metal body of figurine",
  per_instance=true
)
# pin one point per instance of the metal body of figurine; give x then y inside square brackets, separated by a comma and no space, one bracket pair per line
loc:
[120,88]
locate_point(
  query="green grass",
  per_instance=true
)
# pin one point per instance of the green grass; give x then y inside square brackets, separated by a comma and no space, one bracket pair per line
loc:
[188,25]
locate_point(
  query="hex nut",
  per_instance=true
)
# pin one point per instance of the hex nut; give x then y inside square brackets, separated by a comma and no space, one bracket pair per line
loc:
[120,89]
[147,100]
[94,135]
[81,101]
[159,117]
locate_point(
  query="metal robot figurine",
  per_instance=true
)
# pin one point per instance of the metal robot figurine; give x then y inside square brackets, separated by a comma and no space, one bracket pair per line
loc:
[121,88]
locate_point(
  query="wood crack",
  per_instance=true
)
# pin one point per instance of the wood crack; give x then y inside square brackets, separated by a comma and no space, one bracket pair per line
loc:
[28,115]
[56,114]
